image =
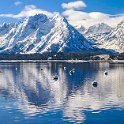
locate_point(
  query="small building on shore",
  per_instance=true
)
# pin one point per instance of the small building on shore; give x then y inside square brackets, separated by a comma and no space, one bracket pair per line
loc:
[101,57]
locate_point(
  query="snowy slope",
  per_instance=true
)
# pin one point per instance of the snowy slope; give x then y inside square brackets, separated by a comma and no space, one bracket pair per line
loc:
[27,34]
[96,32]
[81,29]
[101,28]
[38,34]
[4,30]
[63,38]
[115,39]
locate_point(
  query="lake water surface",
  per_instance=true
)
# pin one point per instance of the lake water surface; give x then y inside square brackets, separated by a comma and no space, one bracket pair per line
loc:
[30,95]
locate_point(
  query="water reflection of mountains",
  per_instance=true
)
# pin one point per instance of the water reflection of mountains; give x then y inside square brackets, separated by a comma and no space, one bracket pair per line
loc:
[37,92]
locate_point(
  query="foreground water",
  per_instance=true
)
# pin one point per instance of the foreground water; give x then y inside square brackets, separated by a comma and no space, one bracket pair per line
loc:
[30,95]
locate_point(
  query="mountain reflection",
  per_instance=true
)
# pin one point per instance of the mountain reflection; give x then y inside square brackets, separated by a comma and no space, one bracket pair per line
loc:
[34,90]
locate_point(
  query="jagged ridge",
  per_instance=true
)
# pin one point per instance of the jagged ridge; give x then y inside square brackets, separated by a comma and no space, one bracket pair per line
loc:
[39,34]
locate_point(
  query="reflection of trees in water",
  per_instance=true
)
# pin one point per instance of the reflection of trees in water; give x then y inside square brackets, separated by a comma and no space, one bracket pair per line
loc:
[36,91]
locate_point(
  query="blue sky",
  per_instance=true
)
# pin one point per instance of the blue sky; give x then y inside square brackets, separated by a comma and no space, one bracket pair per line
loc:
[14,7]
[106,6]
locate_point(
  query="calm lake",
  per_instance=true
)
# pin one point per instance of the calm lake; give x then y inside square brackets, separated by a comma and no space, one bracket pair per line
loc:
[29,94]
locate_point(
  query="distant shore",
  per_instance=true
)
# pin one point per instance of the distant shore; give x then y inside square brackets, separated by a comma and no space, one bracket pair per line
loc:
[69,61]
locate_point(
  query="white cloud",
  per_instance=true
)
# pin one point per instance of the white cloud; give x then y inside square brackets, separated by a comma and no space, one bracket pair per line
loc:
[74,16]
[74,5]
[18,3]
[78,18]
[29,10]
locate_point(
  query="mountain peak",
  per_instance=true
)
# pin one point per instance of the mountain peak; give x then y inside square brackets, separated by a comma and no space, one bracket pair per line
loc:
[121,24]
[39,34]
[38,17]
[5,28]
[81,29]
[114,39]
[98,29]
[59,18]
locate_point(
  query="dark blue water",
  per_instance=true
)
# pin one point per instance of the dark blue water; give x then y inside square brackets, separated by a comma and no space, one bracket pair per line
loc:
[30,95]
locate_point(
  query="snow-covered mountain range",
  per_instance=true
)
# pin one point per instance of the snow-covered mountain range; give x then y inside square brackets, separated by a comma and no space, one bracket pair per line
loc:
[39,34]
[101,28]
[114,39]
[96,32]
[105,36]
